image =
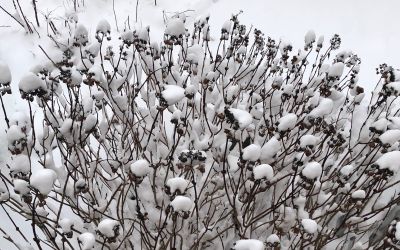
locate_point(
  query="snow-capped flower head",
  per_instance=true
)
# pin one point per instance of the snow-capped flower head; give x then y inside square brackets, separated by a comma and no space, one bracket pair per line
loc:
[252,152]
[175,31]
[273,240]
[139,169]
[309,39]
[103,29]
[109,228]
[172,94]
[81,37]
[87,240]
[250,244]
[43,180]
[312,170]
[20,166]
[181,203]
[309,226]
[17,140]
[263,171]
[31,85]
[5,79]
[177,184]
[22,120]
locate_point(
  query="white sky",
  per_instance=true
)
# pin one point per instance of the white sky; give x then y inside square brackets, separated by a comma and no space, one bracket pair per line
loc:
[369,28]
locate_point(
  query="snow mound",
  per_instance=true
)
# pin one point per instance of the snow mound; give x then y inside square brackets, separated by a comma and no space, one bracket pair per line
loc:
[43,180]
[173,94]
[251,152]
[21,187]
[359,194]
[389,161]
[312,170]
[20,164]
[5,74]
[140,168]
[243,117]
[31,82]
[263,171]
[66,225]
[269,150]
[309,38]
[390,136]
[175,27]
[182,204]
[103,27]
[308,140]
[397,234]
[108,227]
[249,244]
[324,108]
[336,70]
[177,183]
[88,240]
[287,122]
[273,238]
[310,226]
[346,170]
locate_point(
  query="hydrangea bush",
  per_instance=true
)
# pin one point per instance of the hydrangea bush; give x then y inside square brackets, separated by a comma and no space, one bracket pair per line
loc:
[234,142]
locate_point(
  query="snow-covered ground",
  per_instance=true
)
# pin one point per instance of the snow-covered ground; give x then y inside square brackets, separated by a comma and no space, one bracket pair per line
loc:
[367,27]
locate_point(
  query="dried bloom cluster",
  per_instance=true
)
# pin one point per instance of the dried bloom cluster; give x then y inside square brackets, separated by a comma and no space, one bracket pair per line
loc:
[242,143]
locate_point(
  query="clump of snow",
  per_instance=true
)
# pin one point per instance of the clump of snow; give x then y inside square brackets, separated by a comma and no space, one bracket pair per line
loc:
[43,180]
[89,123]
[243,117]
[103,27]
[31,82]
[5,74]
[88,240]
[175,27]
[389,161]
[250,244]
[287,122]
[312,170]
[4,193]
[273,238]
[177,183]
[252,152]
[81,35]
[358,194]
[22,120]
[14,133]
[140,168]
[263,171]
[380,125]
[346,170]
[173,94]
[182,203]
[20,164]
[232,162]
[66,225]
[309,225]
[397,234]
[390,136]
[108,227]
[324,107]
[21,187]
[309,38]
[226,27]
[336,70]
[308,141]
[269,150]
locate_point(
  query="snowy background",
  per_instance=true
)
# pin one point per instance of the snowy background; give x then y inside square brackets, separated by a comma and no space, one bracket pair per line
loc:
[367,27]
